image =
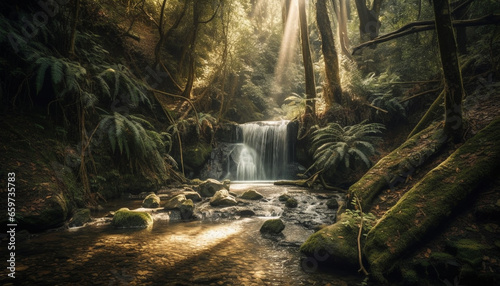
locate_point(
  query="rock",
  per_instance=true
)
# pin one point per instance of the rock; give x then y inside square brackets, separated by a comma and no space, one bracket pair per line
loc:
[151,201]
[332,204]
[187,208]
[291,203]
[125,218]
[272,226]
[252,195]
[80,217]
[284,198]
[245,213]
[209,187]
[175,202]
[197,154]
[336,244]
[50,213]
[223,198]
[192,195]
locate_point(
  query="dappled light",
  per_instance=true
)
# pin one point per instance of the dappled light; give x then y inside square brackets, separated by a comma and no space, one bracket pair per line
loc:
[250,142]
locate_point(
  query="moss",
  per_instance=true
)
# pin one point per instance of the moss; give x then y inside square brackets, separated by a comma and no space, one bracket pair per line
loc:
[397,165]
[272,226]
[291,203]
[284,198]
[335,244]
[425,206]
[252,195]
[187,209]
[125,218]
[80,217]
[469,251]
[151,201]
[197,154]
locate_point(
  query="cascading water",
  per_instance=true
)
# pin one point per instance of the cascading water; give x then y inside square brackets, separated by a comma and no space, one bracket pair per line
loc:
[265,151]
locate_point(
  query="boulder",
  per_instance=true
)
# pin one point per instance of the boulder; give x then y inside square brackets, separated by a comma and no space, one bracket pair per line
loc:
[291,203]
[332,204]
[336,244]
[209,187]
[272,226]
[151,201]
[80,217]
[187,208]
[284,198]
[175,202]
[125,218]
[192,195]
[222,198]
[252,195]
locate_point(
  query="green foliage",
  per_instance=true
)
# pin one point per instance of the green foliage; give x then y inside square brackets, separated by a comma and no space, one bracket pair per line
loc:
[64,75]
[354,218]
[295,106]
[144,149]
[392,105]
[336,147]
[116,81]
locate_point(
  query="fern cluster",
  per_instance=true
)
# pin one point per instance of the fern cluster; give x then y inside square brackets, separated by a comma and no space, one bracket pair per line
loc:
[336,147]
[145,149]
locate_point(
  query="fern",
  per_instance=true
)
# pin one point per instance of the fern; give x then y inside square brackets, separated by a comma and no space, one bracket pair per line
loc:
[117,81]
[334,145]
[64,75]
[145,149]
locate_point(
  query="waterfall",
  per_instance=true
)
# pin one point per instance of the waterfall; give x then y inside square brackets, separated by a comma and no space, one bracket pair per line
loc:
[265,151]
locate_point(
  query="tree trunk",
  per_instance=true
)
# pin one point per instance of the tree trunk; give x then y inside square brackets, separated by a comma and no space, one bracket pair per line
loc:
[342,17]
[308,64]
[192,44]
[369,24]
[332,91]
[72,37]
[453,85]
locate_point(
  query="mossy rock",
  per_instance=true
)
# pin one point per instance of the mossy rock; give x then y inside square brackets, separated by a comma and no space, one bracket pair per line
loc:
[283,198]
[291,203]
[152,201]
[209,187]
[223,198]
[272,226]
[175,202]
[251,195]
[332,204]
[187,208]
[336,244]
[80,217]
[197,154]
[53,213]
[125,218]
[192,195]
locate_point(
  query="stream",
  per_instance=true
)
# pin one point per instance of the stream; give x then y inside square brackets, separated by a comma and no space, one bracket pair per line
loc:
[220,249]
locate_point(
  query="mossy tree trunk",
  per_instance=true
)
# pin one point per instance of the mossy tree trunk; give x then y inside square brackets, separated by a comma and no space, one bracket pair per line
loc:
[308,64]
[454,90]
[433,199]
[333,91]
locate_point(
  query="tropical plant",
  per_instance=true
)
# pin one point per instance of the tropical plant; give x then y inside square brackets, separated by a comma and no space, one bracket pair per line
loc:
[336,147]
[145,149]
[118,82]
[393,106]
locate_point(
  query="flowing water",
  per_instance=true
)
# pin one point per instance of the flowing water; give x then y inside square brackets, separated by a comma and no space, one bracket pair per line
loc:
[215,251]
[265,152]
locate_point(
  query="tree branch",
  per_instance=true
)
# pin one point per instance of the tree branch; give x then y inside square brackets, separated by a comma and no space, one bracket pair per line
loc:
[417,27]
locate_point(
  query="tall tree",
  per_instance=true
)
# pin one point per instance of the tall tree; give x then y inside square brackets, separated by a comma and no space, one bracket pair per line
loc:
[453,84]
[332,91]
[369,23]
[308,64]
[341,11]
